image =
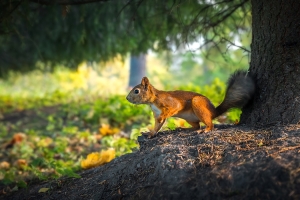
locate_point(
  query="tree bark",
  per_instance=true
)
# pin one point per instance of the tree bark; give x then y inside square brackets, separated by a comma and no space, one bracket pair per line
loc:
[137,69]
[275,63]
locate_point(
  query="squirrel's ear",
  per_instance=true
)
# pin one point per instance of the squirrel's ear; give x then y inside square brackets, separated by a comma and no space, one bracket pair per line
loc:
[145,83]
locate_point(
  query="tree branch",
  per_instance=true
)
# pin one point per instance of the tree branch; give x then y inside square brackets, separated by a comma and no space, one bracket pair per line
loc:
[66,2]
[238,46]
[11,10]
[224,17]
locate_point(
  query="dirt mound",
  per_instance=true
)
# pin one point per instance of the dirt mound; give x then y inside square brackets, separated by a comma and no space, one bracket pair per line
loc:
[230,162]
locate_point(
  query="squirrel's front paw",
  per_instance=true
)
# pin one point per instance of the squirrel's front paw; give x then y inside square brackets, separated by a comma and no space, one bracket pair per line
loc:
[149,134]
[145,133]
[204,131]
[160,120]
[200,131]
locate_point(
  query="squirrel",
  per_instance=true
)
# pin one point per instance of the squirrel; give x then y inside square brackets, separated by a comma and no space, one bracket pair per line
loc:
[191,106]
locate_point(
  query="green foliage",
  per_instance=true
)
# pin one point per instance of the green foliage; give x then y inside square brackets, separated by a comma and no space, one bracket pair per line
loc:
[171,124]
[61,136]
[121,145]
[97,32]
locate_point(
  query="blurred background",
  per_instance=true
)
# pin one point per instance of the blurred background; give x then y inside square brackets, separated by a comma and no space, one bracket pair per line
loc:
[65,71]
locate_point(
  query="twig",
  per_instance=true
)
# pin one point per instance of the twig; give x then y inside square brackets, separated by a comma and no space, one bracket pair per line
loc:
[233,44]
[66,2]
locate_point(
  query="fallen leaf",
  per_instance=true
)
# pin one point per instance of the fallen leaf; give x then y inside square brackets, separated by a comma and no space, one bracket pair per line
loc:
[95,159]
[43,190]
[106,130]
[45,142]
[98,137]
[4,165]
[17,138]
[260,144]
[15,188]
[102,182]
[21,163]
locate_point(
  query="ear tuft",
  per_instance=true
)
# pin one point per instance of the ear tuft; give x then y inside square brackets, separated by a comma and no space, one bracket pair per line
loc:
[145,83]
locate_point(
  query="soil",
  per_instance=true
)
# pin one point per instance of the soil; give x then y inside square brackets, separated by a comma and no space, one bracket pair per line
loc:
[231,162]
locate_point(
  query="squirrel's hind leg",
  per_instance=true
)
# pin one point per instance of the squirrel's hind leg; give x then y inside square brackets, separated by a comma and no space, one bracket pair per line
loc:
[203,110]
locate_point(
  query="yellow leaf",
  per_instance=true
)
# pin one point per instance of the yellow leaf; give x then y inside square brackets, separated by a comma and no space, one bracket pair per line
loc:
[106,130]
[96,159]
[108,155]
[4,165]
[45,142]
[43,190]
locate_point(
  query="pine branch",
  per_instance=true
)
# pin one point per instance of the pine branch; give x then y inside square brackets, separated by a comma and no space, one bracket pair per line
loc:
[66,2]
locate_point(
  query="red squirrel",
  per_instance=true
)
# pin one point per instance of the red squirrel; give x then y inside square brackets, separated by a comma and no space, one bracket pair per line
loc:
[191,106]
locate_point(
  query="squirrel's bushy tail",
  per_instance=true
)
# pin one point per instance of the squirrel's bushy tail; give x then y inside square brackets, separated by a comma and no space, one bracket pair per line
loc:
[240,90]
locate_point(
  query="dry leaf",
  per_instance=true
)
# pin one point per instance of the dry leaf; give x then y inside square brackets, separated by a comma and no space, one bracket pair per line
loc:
[4,165]
[17,138]
[15,189]
[21,163]
[106,130]
[96,159]
[98,137]
[45,142]
[260,144]
[43,190]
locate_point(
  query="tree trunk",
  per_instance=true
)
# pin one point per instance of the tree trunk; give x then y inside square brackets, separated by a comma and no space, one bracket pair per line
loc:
[137,69]
[275,63]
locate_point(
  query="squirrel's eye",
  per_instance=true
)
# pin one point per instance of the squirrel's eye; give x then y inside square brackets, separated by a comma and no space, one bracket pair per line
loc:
[136,91]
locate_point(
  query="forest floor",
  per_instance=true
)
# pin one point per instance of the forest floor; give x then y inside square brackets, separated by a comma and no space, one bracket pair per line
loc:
[232,162]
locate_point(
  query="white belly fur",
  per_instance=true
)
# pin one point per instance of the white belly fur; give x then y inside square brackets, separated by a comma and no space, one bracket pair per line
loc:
[191,117]
[155,110]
